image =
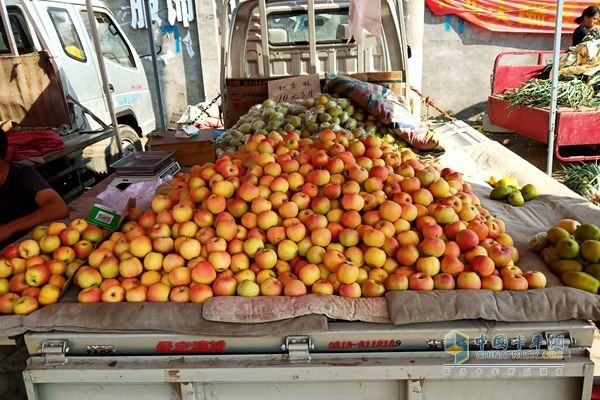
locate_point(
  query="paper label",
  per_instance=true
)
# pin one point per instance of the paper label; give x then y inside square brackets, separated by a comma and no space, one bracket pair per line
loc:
[296,88]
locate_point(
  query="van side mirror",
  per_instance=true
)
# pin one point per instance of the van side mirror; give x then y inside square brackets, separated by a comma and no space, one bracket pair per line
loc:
[408,51]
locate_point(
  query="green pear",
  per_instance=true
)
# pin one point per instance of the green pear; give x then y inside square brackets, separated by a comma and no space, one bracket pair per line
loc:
[561,266]
[590,251]
[556,233]
[516,199]
[581,280]
[567,248]
[587,232]
[594,270]
[500,192]
[529,192]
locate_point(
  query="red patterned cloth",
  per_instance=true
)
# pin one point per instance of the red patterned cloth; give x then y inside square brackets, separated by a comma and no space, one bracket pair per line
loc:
[26,144]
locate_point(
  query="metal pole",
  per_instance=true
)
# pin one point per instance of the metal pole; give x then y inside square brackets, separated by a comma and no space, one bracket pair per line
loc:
[103,75]
[312,38]
[553,98]
[159,95]
[224,56]
[12,45]
[264,39]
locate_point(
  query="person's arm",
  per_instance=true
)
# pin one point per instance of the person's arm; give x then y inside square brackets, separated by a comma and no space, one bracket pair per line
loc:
[51,207]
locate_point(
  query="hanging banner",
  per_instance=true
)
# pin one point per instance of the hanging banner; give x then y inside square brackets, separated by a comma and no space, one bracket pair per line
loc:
[525,16]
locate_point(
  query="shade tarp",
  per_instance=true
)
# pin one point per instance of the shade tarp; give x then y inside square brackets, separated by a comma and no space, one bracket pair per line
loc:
[524,16]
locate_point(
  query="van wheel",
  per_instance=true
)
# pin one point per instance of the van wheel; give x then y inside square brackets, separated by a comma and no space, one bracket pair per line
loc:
[130,141]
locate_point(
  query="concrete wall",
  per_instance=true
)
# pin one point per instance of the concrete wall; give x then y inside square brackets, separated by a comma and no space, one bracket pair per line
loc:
[458,60]
[181,75]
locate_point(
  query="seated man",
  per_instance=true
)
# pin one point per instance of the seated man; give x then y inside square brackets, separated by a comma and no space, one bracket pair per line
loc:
[26,199]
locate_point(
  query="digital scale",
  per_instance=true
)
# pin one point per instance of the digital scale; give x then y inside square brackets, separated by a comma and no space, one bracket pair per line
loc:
[144,166]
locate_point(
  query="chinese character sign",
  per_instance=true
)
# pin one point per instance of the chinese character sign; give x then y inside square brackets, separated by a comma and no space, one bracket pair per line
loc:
[177,11]
[534,16]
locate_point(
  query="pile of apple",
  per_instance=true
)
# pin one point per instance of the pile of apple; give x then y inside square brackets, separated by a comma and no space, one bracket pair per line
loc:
[34,271]
[290,216]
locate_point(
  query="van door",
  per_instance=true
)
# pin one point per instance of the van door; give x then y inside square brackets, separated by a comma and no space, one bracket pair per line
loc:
[65,37]
[126,76]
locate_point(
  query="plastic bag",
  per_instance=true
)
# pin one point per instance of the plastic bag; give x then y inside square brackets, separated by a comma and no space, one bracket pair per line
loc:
[142,192]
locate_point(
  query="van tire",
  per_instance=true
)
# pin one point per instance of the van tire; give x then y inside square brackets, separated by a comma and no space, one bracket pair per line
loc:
[129,139]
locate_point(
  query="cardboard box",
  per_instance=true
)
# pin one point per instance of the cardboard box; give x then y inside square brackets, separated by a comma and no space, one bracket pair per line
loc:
[244,93]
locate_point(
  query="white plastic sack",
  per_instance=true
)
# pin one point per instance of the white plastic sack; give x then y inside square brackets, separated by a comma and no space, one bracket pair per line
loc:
[142,192]
[364,14]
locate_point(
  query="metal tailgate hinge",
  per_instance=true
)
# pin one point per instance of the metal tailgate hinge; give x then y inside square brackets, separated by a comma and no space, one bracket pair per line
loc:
[54,351]
[298,347]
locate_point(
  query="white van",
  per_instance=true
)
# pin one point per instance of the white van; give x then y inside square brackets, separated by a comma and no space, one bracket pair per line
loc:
[62,28]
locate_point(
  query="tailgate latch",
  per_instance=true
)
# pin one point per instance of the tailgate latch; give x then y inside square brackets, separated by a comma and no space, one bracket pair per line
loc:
[54,351]
[298,347]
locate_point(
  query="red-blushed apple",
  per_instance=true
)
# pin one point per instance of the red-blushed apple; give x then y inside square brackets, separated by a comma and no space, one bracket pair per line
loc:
[108,283]
[37,275]
[109,267]
[37,233]
[6,268]
[483,265]
[224,286]
[92,234]
[49,294]
[180,294]
[171,261]
[372,288]
[49,243]
[220,260]
[190,248]
[501,254]
[4,286]
[87,277]
[25,305]
[374,257]
[65,254]
[492,282]
[309,274]
[113,294]
[79,224]
[239,261]
[294,287]
[204,273]
[29,248]
[467,239]
[323,287]
[271,287]
[396,282]
[468,280]
[535,279]
[248,288]
[443,281]
[513,281]
[17,284]
[69,236]
[432,246]
[131,268]
[31,291]
[55,227]
[347,272]
[265,258]
[200,292]
[136,294]
[96,257]
[7,301]
[429,265]
[12,251]
[180,276]
[129,283]
[57,280]
[350,290]
[159,292]
[149,278]
[420,281]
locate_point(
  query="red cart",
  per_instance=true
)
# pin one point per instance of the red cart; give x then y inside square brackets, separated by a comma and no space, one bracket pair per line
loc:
[572,128]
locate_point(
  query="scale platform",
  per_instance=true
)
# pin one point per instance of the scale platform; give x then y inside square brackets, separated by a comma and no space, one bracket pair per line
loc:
[144,166]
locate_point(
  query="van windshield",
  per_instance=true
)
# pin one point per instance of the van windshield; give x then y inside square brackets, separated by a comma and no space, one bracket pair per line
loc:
[291,28]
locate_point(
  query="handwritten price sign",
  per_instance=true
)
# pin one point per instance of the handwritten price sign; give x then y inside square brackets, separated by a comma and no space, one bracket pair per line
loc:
[290,89]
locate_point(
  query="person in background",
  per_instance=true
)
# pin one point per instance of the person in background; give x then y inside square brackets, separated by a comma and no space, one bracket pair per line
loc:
[588,18]
[26,199]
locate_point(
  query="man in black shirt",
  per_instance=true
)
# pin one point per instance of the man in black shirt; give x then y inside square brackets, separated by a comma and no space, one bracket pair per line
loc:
[26,199]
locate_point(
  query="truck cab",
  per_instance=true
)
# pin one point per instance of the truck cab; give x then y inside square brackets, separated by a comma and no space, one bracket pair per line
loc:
[62,28]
